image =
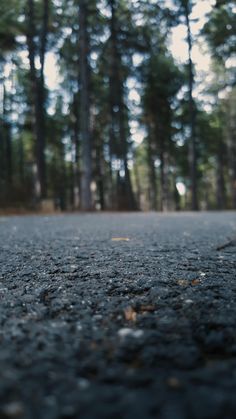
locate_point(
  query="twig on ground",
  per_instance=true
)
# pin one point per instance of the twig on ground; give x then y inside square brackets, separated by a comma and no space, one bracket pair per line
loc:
[230,243]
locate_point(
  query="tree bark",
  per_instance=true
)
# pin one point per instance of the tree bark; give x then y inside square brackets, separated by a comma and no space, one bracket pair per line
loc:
[152,174]
[164,182]
[38,90]
[138,185]
[231,128]
[112,103]
[221,191]
[8,142]
[75,146]
[86,151]
[192,115]
[118,142]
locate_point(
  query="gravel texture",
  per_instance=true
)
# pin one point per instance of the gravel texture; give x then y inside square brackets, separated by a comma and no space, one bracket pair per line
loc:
[119,316]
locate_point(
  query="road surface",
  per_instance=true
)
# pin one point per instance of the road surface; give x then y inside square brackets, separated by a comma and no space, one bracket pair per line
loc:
[118,316]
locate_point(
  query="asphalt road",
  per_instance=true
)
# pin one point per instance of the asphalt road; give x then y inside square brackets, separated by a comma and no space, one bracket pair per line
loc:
[118,316]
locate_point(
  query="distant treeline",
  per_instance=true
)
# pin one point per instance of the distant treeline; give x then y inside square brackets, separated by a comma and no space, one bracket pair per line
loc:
[122,127]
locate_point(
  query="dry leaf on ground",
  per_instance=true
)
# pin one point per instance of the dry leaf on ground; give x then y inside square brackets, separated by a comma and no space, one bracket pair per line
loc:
[130,314]
[120,239]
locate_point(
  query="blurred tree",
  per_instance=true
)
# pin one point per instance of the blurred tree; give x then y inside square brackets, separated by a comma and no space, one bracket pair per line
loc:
[162,82]
[185,9]
[116,128]
[118,43]
[37,36]
[220,29]
[85,116]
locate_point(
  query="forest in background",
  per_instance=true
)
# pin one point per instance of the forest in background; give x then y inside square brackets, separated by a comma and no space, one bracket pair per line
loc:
[74,146]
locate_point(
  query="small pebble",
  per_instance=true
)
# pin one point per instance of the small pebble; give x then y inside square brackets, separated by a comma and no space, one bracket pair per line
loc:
[189,301]
[173,382]
[83,384]
[124,332]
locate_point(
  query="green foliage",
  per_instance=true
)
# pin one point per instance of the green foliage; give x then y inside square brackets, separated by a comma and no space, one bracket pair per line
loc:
[10,25]
[220,30]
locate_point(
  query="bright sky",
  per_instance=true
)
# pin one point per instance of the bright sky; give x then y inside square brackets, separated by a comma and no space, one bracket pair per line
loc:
[178,45]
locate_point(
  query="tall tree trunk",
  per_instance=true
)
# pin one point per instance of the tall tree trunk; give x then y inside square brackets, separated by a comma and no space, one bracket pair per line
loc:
[231,133]
[2,156]
[8,157]
[63,179]
[86,151]
[2,160]
[7,141]
[43,40]
[118,143]
[165,198]
[99,164]
[6,147]
[221,194]
[75,146]
[113,70]
[21,160]
[38,90]
[129,195]
[192,115]
[152,173]
[138,184]
[164,143]
[100,176]
[164,186]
